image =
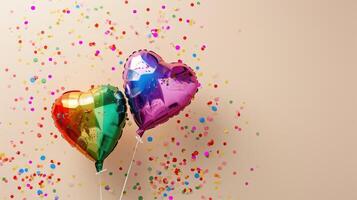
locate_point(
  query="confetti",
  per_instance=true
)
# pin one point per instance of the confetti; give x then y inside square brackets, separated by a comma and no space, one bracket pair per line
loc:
[80,41]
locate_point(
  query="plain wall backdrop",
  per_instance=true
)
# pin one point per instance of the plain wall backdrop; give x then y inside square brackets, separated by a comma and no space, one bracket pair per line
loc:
[292,63]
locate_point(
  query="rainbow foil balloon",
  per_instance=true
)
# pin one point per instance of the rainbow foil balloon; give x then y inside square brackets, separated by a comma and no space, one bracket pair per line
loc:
[91,121]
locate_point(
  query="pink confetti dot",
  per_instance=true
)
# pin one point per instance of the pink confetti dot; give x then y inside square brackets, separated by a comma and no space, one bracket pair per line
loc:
[33,7]
[207,154]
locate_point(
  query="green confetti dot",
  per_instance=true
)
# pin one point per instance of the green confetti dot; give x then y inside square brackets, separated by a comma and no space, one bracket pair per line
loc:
[140,198]
[35,60]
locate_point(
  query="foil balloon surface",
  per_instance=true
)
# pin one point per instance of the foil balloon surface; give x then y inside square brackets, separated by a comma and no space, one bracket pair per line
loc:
[156,90]
[91,121]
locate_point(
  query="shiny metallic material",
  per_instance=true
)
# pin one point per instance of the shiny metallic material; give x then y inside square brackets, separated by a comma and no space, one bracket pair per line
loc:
[91,121]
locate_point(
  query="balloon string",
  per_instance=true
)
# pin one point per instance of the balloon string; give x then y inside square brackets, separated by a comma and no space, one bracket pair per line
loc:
[99,174]
[100,188]
[131,163]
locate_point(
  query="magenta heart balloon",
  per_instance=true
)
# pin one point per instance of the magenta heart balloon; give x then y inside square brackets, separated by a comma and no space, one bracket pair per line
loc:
[156,90]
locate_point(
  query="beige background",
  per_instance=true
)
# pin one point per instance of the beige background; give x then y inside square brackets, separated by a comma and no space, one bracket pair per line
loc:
[290,64]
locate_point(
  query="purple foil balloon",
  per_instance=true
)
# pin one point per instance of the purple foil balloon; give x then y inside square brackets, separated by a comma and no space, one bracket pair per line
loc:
[156,90]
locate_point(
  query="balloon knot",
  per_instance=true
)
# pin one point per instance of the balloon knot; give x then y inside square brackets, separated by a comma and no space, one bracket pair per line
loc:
[140,132]
[99,166]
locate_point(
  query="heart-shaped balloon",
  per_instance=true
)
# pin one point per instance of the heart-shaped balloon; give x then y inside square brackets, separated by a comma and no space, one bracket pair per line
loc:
[91,121]
[156,90]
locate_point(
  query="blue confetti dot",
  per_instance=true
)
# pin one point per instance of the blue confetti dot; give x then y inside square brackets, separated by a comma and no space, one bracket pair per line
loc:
[43,157]
[197,175]
[202,120]
[53,166]
[120,62]
[214,108]
[165,195]
[150,139]
[194,55]
[39,192]
[21,171]
[186,182]
[32,79]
